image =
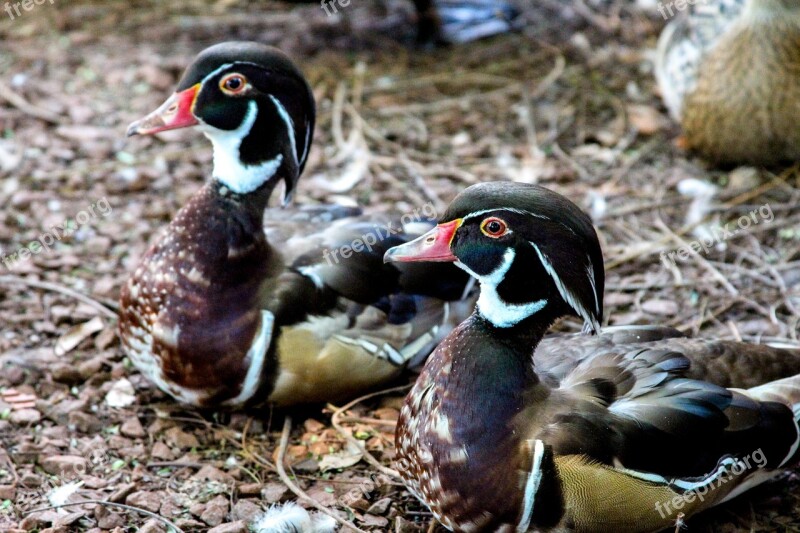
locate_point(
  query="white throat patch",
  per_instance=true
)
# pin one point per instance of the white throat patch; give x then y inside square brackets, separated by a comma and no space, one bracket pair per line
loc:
[228,168]
[491,306]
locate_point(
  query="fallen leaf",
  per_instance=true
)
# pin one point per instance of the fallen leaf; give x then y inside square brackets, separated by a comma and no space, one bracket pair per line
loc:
[74,335]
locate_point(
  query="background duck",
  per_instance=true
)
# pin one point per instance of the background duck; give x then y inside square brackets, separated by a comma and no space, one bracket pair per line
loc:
[231,307]
[620,440]
[729,72]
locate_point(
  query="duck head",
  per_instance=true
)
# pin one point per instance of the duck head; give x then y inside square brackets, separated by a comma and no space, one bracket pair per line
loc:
[534,252]
[254,105]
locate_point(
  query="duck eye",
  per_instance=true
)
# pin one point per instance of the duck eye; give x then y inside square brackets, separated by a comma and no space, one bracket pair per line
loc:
[494,227]
[233,84]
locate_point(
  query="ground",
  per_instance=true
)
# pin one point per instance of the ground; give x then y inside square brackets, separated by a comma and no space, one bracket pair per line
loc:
[569,102]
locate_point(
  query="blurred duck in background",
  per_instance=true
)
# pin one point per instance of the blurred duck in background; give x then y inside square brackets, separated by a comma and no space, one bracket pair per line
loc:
[729,72]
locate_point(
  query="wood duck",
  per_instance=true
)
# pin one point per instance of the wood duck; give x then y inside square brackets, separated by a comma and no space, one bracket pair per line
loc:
[497,436]
[233,307]
[728,72]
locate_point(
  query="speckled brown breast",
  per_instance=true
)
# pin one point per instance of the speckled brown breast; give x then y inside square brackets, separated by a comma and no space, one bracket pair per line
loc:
[190,313]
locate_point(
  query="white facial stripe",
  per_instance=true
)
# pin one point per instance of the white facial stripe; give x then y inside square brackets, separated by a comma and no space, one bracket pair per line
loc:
[796,444]
[228,166]
[590,272]
[532,486]
[256,357]
[215,72]
[564,291]
[509,209]
[289,127]
[491,306]
[307,144]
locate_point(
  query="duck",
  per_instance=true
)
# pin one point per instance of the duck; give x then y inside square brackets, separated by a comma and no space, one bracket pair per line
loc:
[728,73]
[497,436]
[237,304]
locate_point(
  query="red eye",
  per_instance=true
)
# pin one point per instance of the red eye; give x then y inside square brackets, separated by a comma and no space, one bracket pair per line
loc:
[494,227]
[233,83]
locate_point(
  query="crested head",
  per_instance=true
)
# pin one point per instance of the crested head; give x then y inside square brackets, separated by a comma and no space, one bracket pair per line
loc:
[534,252]
[254,105]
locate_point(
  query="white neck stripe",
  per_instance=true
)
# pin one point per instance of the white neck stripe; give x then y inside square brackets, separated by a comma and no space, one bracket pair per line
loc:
[289,127]
[532,486]
[568,296]
[228,166]
[490,306]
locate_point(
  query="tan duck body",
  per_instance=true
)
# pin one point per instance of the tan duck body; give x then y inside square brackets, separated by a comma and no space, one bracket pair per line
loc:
[238,304]
[497,435]
[729,72]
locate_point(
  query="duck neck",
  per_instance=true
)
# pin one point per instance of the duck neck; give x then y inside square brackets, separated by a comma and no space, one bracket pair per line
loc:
[491,372]
[484,378]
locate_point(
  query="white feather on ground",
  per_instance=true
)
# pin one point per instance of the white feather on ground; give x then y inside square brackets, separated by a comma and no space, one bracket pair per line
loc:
[291,518]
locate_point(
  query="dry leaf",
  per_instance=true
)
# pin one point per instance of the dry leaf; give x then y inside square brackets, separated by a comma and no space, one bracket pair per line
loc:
[74,335]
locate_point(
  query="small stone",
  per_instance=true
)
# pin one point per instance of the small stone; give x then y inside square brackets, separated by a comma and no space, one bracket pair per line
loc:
[215,511]
[249,489]
[274,492]
[152,526]
[245,510]
[107,519]
[69,519]
[84,422]
[375,521]
[170,509]
[55,529]
[149,501]
[24,417]
[38,520]
[8,492]
[380,507]
[323,496]
[132,428]
[197,509]
[180,439]
[234,527]
[210,473]
[67,374]
[161,451]
[61,465]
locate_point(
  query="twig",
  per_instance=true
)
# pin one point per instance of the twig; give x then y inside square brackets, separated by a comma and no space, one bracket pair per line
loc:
[368,457]
[109,504]
[700,259]
[300,493]
[47,286]
[8,94]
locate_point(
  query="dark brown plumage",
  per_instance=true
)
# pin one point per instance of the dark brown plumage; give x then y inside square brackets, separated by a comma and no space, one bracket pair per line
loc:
[505,432]
[233,307]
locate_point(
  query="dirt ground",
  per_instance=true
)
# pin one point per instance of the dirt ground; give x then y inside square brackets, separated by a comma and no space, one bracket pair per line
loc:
[569,102]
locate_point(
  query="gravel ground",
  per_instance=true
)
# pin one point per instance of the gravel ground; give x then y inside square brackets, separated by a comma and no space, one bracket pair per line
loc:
[569,102]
